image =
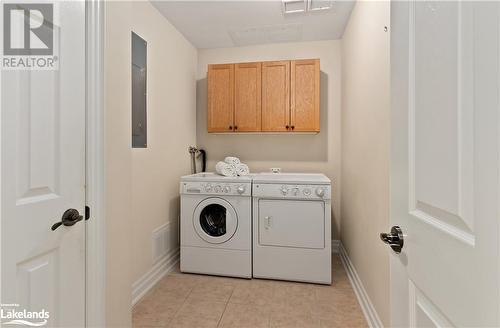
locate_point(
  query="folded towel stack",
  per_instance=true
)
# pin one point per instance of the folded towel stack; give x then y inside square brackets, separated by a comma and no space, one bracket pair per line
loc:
[232,160]
[225,169]
[232,167]
[242,169]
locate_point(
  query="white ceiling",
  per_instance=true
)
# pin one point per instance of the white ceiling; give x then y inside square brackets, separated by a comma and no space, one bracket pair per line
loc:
[220,24]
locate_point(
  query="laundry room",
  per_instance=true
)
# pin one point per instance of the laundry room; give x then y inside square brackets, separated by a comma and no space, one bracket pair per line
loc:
[301,100]
[250,163]
[338,141]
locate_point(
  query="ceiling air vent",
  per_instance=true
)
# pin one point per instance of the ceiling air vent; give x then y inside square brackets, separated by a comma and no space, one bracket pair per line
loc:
[319,5]
[294,6]
[305,6]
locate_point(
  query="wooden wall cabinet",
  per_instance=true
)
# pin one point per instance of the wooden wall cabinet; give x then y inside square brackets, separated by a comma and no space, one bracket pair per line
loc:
[304,95]
[247,97]
[276,96]
[220,98]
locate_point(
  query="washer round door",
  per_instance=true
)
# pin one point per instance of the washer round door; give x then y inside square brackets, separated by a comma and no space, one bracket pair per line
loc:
[215,220]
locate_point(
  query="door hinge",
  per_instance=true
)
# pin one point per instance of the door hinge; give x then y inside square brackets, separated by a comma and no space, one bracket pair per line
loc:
[87,213]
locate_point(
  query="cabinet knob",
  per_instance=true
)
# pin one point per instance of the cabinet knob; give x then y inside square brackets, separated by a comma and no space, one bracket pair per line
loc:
[293,127]
[235,127]
[230,127]
[286,126]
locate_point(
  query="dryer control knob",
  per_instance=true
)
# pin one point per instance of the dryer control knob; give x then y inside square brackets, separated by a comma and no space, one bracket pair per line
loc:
[320,192]
[307,192]
[218,188]
[284,190]
[240,189]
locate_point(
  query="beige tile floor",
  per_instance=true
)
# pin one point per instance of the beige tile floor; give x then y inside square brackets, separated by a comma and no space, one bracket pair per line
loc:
[197,301]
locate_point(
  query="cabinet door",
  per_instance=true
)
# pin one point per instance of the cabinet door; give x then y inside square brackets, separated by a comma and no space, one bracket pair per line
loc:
[220,98]
[247,97]
[305,95]
[275,96]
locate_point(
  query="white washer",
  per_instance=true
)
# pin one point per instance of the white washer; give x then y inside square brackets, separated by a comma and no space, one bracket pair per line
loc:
[292,227]
[216,229]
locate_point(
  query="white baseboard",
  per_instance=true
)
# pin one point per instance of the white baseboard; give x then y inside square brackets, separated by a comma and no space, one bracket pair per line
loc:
[151,278]
[335,246]
[366,305]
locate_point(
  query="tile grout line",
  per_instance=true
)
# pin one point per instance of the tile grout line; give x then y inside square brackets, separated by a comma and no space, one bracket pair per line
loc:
[180,307]
[225,307]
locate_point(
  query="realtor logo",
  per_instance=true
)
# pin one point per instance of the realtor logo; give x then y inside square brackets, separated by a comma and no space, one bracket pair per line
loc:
[28,36]
[28,29]
[13,314]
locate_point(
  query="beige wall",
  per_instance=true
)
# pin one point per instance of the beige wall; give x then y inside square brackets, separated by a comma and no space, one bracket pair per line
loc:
[171,129]
[293,153]
[366,147]
[142,184]
[118,164]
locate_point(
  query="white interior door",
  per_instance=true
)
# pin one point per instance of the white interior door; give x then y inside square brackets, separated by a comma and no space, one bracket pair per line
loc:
[445,163]
[42,175]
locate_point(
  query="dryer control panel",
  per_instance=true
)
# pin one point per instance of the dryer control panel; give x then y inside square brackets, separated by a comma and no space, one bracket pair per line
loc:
[292,191]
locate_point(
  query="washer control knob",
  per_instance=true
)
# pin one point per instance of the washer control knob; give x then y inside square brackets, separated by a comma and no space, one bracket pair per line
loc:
[240,189]
[227,189]
[218,188]
[208,188]
[320,192]
[284,190]
[307,191]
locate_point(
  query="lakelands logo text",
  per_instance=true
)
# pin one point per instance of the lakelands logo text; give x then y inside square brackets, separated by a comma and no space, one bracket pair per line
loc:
[10,314]
[29,41]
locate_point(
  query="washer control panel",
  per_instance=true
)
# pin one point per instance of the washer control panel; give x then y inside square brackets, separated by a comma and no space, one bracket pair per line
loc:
[292,191]
[216,188]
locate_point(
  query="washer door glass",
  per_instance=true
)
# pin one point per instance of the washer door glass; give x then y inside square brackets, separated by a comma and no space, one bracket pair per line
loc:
[215,220]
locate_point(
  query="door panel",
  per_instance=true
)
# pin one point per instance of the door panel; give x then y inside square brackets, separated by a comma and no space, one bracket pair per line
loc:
[220,98]
[247,97]
[305,95]
[39,151]
[275,96]
[443,114]
[292,223]
[445,163]
[42,175]
[422,312]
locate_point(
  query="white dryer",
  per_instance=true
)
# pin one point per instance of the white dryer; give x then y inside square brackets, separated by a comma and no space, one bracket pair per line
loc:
[292,227]
[216,229]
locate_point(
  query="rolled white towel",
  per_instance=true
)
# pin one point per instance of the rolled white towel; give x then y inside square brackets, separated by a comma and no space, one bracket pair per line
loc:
[232,160]
[225,169]
[242,169]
